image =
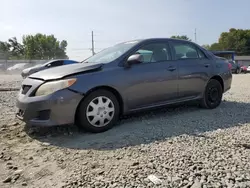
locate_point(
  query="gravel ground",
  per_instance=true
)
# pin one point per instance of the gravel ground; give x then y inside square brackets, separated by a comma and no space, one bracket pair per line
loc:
[10,81]
[182,146]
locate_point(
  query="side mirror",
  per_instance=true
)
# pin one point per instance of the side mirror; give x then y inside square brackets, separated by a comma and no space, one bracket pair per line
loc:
[135,59]
[48,65]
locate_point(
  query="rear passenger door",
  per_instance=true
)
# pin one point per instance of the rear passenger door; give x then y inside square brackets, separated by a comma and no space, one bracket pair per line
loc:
[194,68]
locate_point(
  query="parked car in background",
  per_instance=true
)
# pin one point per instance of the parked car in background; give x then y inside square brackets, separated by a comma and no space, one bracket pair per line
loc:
[128,77]
[243,69]
[53,63]
[17,67]
[248,69]
[236,68]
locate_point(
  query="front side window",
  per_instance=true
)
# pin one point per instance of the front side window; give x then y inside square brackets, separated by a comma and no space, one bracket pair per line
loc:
[186,51]
[155,52]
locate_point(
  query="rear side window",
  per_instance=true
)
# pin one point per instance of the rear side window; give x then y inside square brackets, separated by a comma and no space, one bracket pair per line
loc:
[184,50]
[154,52]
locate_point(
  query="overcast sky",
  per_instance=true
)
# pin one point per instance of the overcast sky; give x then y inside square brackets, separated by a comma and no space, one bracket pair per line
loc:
[119,20]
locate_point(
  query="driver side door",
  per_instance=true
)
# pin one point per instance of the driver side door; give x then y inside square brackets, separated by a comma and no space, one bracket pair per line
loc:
[153,82]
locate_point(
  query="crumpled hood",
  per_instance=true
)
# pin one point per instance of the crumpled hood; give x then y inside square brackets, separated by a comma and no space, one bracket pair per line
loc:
[28,71]
[65,70]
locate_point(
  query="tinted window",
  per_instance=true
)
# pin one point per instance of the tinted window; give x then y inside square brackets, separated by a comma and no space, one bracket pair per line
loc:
[56,63]
[186,51]
[155,52]
[66,62]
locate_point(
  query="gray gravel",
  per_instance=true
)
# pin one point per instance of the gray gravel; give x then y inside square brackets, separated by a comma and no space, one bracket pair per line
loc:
[183,146]
[10,81]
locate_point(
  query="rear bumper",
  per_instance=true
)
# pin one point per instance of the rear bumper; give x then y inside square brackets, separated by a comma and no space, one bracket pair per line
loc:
[58,108]
[227,78]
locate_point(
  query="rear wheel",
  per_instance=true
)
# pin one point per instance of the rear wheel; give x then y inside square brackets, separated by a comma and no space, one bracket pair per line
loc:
[212,95]
[98,112]
[238,71]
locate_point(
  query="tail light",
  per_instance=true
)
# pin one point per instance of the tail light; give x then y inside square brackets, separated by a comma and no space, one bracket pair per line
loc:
[229,66]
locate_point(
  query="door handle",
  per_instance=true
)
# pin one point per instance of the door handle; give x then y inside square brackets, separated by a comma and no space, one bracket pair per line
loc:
[171,68]
[206,65]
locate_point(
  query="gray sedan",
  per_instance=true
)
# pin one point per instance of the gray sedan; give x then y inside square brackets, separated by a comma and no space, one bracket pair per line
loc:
[125,78]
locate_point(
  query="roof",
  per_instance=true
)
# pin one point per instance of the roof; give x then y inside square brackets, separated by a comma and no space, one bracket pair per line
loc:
[223,52]
[173,39]
[156,39]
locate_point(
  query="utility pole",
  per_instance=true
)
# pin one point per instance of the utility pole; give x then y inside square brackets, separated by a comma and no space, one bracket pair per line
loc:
[93,48]
[195,35]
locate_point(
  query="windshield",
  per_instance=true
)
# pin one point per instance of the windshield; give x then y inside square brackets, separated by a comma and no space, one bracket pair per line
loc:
[110,54]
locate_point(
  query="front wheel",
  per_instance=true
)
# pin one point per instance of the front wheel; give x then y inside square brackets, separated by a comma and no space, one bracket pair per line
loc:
[98,112]
[213,95]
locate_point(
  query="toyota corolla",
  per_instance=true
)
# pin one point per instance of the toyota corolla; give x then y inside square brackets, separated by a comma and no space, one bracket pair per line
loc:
[122,79]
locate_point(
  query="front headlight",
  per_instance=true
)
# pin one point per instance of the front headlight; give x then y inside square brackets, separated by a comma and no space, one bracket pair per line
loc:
[51,87]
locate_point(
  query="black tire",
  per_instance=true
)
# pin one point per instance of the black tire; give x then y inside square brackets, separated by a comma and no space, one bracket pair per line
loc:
[213,95]
[81,116]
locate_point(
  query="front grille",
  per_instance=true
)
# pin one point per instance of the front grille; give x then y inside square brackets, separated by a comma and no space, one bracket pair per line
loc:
[25,89]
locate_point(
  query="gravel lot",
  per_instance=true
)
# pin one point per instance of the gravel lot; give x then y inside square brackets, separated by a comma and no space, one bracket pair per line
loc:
[183,146]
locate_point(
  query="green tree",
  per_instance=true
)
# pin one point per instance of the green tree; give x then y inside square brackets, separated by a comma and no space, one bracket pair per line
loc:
[237,40]
[42,46]
[206,46]
[37,46]
[183,37]
[63,45]
[16,49]
[4,47]
[4,50]
[30,48]
[216,46]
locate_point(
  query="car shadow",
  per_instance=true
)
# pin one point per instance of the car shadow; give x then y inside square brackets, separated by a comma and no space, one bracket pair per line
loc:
[148,127]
